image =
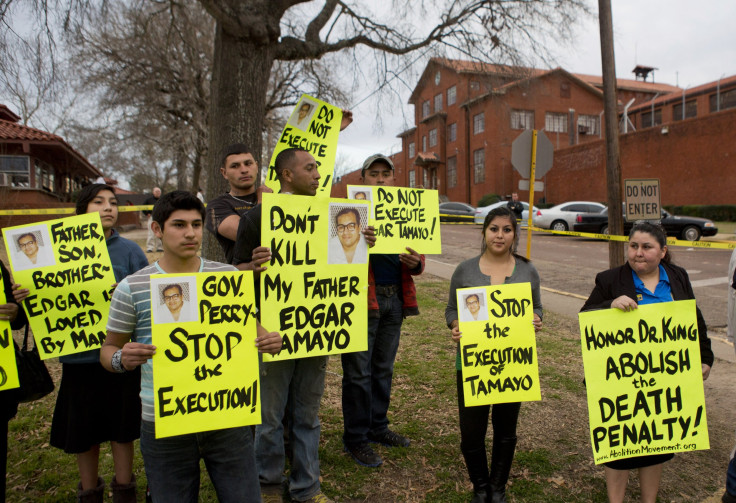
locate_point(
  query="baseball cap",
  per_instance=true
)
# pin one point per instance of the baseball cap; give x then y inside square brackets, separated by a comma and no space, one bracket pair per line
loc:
[376,158]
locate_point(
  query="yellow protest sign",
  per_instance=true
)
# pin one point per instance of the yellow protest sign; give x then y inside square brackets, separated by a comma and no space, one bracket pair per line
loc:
[205,370]
[8,368]
[498,349]
[314,126]
[403,217]
[644,380]
[65,265]
[314,290]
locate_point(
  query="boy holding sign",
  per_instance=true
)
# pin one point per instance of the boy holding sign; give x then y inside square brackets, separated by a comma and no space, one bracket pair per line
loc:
[367,375]
[172,464]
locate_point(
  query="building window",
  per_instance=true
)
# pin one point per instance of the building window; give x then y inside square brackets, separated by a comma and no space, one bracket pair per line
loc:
[727,99]
[412,179]
[589,124]
[425,109]
[425,177]
[433,137]
[424,143]
[691,110]
[479,123]
[474,85]
[522,119]
[15,171]
[451,96]
[564,89]
[412,150]
[438,103]
[452,171]
[646,118]
[452,132]
[555,122]
[479,168]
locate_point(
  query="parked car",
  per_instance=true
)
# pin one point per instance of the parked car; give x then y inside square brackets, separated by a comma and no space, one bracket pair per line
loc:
[456,212]
[480,213]
[687,228]
[562,216]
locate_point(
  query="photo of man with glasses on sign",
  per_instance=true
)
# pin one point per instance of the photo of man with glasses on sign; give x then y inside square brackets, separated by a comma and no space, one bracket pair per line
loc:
[473,304]
[176,307]
[348,245]
[31,252]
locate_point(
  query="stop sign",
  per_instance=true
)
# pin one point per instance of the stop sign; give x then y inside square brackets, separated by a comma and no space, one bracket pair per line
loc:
[521,154]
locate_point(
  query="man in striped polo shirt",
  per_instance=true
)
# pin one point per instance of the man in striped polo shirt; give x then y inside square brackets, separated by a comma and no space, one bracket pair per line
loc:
[172,464]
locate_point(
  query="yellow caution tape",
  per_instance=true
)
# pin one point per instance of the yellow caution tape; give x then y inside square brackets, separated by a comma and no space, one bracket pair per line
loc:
[69,210]
[462,217]
[719,245]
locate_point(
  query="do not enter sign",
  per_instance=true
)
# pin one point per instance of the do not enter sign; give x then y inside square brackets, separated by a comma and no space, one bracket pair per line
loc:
[642,199]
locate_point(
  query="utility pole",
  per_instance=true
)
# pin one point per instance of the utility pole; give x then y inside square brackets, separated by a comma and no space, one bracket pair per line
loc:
[613,159]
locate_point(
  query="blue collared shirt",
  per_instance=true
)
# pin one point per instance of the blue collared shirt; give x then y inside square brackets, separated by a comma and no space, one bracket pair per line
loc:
[662,293]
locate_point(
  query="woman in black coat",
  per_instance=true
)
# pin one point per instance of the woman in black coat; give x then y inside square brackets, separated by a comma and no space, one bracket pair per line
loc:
[8,402]
[647,277]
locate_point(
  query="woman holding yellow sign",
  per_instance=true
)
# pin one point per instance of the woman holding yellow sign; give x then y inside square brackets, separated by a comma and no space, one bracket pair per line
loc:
[648,277]
[86,413]
[497,264]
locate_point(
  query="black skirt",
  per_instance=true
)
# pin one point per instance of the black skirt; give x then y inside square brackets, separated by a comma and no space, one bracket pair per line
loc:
[638,462]
[95,406]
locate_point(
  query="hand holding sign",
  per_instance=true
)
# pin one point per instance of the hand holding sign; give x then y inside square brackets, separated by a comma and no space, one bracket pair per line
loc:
[498,349]
[63,279]
[644,386]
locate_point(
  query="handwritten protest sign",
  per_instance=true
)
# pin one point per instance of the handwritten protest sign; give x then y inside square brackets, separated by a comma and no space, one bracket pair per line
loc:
[644,381]
[65,265]
[205,370]
[403,217]
[314,126]
[314,291]
[8,368]
[498,350]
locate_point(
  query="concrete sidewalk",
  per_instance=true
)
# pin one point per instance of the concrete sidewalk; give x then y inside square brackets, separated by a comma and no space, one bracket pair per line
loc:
[569,304]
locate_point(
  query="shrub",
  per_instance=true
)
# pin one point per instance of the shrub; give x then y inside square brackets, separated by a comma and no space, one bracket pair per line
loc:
[488,199]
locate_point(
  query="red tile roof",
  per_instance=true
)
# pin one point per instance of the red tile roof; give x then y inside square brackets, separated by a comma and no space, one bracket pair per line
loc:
[428,157]
[7,114]
[725,83]
[14,131]
[520,73]
[630,85]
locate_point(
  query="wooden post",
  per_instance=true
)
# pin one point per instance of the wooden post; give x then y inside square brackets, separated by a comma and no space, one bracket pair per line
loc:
[532,175]
[613,160]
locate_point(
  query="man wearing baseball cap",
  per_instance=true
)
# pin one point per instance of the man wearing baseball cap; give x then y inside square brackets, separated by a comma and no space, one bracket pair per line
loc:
[367,375]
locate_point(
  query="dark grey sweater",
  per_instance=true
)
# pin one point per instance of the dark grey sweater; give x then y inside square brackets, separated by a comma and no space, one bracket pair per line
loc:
[468,274]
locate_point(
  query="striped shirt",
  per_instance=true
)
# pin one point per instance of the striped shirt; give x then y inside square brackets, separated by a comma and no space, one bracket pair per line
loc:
[130,313]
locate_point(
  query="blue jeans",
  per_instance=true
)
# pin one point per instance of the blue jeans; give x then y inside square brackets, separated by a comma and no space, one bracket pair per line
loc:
[731,477]
[301,383]
[367,375]
[172,464]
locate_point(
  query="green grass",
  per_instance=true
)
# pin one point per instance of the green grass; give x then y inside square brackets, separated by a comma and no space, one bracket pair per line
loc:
[726,227]
[553,460]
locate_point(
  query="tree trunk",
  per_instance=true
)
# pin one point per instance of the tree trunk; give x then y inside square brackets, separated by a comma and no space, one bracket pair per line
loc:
[613,160]
[181,166]
[238,100]
[196,173]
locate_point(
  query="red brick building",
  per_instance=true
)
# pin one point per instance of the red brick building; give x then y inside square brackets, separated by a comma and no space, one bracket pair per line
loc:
[467,115]
[694,158]
[40,170]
